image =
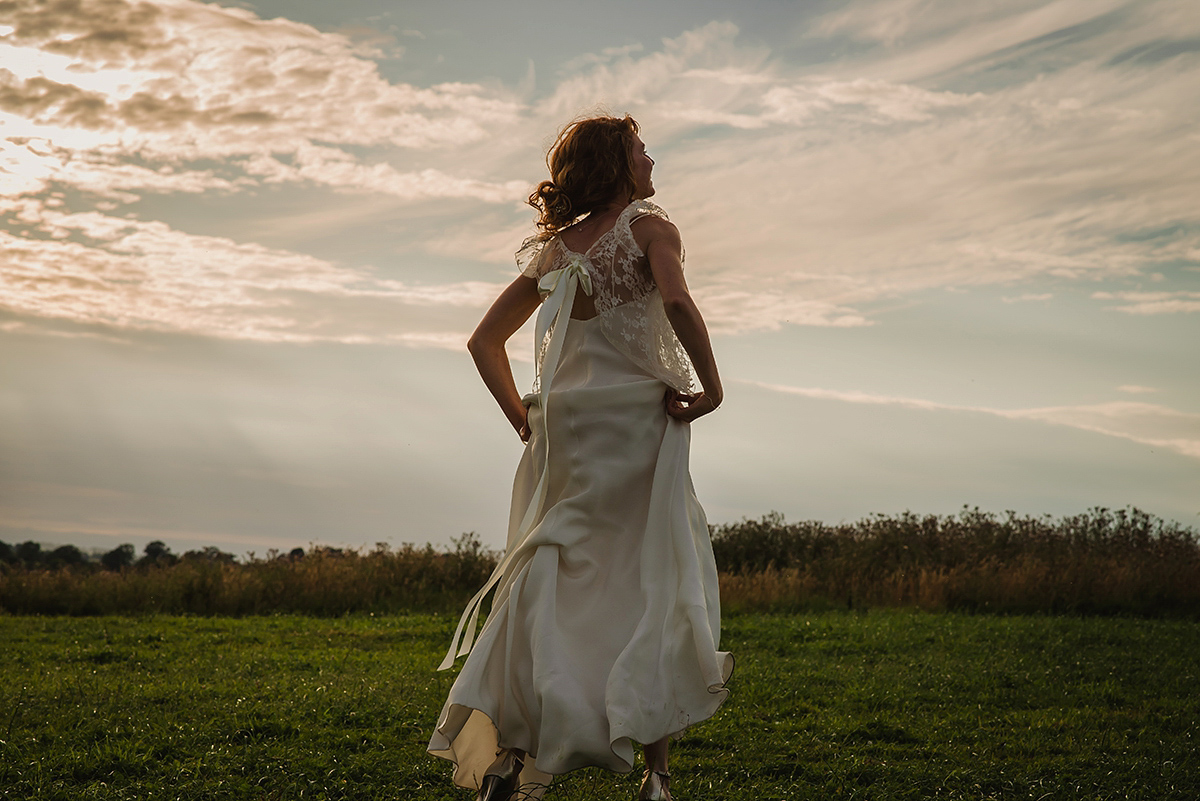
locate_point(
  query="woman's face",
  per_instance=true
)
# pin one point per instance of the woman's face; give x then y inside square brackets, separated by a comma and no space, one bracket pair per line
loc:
[642,165]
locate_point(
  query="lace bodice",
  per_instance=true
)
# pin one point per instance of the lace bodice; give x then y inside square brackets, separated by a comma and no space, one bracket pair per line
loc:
[623,290]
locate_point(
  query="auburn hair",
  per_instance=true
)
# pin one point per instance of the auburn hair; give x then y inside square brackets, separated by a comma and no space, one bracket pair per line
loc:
[591,164]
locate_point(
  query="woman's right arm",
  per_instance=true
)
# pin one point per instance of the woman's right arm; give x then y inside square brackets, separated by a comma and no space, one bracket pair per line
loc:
[664,250]
[508,313]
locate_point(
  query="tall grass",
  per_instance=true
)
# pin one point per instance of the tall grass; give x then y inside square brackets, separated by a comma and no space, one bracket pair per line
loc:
[1102,561]
[1099,562]
[324,581]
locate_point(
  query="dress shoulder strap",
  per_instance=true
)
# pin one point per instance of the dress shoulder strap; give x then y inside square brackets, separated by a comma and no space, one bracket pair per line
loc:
[642,208]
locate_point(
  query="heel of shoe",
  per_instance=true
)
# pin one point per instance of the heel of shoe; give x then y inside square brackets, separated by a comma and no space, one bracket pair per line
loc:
[656,786]
[502,779]
[496,788]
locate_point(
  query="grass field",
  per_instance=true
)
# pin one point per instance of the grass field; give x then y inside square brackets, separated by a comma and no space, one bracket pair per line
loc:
[836,705]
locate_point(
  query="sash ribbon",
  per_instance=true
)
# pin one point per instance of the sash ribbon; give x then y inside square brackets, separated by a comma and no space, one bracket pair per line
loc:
[559,289]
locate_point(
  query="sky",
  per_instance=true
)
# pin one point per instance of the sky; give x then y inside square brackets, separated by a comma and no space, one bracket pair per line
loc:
[949,254]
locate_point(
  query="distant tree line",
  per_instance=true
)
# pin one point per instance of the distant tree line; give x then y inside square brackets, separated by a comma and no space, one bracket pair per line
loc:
[31,556]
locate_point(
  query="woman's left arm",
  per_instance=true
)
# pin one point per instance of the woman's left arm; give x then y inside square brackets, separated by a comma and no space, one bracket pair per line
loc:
[664,250]
[508,313]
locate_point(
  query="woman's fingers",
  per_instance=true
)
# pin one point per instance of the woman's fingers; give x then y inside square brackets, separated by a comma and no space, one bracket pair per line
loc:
[524,431]
[687,408]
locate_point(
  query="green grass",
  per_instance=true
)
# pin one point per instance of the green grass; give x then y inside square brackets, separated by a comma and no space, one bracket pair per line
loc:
[836,705]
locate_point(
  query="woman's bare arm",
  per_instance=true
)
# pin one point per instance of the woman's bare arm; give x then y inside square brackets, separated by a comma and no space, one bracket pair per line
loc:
[659,240]
[508,313]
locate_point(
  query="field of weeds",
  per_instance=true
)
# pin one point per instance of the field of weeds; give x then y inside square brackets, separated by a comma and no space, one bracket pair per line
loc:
[1100,562]
[1122,562]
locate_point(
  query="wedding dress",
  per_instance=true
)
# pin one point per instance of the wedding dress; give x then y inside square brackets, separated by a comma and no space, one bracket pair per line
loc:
[605,623]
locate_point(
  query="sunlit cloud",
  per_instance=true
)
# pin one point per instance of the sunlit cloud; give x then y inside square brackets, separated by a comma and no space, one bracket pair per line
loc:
[118,100]
[889,100]
[1136,389]
[92,268]
[184,81]
[1144,423]
[946,150]
[336,168]
[912,166]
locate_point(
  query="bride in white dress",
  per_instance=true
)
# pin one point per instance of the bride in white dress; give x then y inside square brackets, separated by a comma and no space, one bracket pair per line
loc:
[605,624]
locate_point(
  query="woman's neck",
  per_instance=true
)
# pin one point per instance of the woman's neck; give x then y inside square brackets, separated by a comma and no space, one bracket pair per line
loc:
[610,207]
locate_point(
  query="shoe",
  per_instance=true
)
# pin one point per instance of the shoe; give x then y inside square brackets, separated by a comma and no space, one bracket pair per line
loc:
[502,778]
[655,786]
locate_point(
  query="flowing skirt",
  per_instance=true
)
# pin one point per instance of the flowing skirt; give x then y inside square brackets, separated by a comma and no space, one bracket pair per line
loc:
[605,632]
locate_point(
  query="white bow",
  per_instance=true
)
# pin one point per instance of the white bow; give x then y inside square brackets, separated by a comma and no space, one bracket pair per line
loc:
[576,266]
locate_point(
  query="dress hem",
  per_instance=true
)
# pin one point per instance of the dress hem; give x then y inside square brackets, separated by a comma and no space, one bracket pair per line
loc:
[443,752]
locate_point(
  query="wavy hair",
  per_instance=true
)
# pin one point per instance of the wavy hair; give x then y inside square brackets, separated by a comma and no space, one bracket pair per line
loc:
[591,163]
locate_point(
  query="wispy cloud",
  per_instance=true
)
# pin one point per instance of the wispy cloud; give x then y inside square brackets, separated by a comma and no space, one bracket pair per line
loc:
[92,268]
[1144,423]
[731,307]
[339,170]
[1001,145]
[1152,302]
[26,327]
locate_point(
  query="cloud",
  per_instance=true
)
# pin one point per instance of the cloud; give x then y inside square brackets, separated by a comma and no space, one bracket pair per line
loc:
[889,100]
[172,82]
[1183,301]
[943,147]
[1144,423]
[25,327]
[91,268]
[695,75]
[924,38]
[1005,178]
[1136,389]
[335,168]
[946,155]
[730,308]
[118,100]
[31,166]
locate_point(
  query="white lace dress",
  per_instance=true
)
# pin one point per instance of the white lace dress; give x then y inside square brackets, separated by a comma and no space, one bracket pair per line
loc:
[605,624]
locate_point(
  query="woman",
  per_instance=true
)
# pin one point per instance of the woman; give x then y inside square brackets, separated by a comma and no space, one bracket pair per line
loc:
[604,627]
